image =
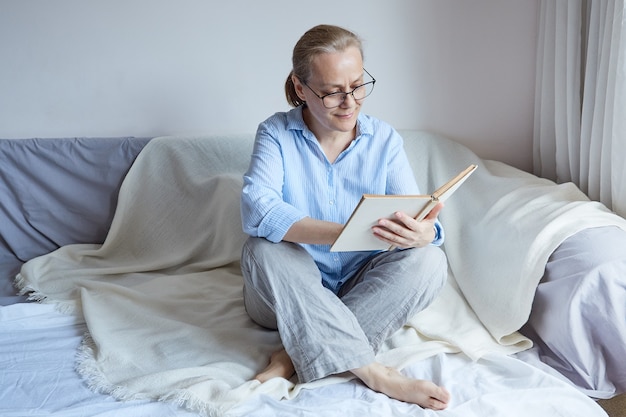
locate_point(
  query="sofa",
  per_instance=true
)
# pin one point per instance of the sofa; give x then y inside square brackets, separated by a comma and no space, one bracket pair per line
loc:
[69,207]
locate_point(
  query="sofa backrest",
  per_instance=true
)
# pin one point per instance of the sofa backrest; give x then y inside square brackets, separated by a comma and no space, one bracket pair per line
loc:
[55,192]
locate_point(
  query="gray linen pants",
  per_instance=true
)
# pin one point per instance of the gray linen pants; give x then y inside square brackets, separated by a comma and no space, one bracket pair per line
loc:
[324,333]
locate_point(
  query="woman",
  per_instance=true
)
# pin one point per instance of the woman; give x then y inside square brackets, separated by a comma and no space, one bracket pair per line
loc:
[309,168]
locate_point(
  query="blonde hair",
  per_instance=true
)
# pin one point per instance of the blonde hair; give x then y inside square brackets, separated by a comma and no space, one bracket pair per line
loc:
[317,40]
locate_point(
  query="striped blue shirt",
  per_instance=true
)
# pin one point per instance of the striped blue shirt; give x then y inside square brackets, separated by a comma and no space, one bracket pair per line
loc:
[290,178]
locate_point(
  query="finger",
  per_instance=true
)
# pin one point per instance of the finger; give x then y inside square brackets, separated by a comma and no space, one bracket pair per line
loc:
[388,236]
[434,212]
[403,221]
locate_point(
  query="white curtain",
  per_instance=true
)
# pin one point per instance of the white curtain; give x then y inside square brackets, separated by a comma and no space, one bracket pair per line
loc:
[580,97]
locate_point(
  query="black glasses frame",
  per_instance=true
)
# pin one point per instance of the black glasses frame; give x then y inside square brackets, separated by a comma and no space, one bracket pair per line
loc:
[344,93]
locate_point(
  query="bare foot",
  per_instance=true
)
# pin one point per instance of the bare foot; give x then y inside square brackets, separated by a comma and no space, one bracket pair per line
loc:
[392,383]
[280,366]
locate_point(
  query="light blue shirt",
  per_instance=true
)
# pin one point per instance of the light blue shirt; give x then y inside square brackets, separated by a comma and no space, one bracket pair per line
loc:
[290,178]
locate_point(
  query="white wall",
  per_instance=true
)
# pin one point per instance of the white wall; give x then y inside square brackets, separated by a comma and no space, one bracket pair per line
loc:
[159,67]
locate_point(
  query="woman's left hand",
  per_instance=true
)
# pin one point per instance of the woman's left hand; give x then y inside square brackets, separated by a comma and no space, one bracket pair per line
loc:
[406,232]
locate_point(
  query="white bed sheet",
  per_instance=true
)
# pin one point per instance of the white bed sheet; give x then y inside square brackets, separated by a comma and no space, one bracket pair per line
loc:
[38,349]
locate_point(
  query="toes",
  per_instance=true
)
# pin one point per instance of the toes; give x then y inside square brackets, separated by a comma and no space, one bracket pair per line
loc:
[439,399]
[434,404]
[444,395]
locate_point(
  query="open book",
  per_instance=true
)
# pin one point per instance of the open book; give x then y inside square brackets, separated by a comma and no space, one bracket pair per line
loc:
[357,233]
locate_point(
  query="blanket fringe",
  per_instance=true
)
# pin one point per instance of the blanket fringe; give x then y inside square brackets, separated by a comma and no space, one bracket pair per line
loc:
[23,288]
[87,367]
[186,400]
[33,294]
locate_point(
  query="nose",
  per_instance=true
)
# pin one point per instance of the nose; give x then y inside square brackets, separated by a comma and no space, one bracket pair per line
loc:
[345,99]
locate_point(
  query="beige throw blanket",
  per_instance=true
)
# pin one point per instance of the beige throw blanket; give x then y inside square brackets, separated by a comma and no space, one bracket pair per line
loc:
[501,227]
[162,296]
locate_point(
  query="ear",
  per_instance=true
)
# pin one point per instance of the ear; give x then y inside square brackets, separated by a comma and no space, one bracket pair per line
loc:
[298,87]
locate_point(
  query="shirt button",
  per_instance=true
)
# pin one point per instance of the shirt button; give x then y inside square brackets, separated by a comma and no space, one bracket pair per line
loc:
[331,202]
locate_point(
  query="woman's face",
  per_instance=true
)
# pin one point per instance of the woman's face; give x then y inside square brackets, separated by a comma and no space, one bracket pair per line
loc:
[330,73]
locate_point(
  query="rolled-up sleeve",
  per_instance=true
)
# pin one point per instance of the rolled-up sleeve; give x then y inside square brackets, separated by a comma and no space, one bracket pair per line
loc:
[439,234]
[264,213]
[266,217]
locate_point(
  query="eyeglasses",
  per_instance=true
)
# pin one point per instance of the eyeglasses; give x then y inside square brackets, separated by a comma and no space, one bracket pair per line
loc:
[333,100]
